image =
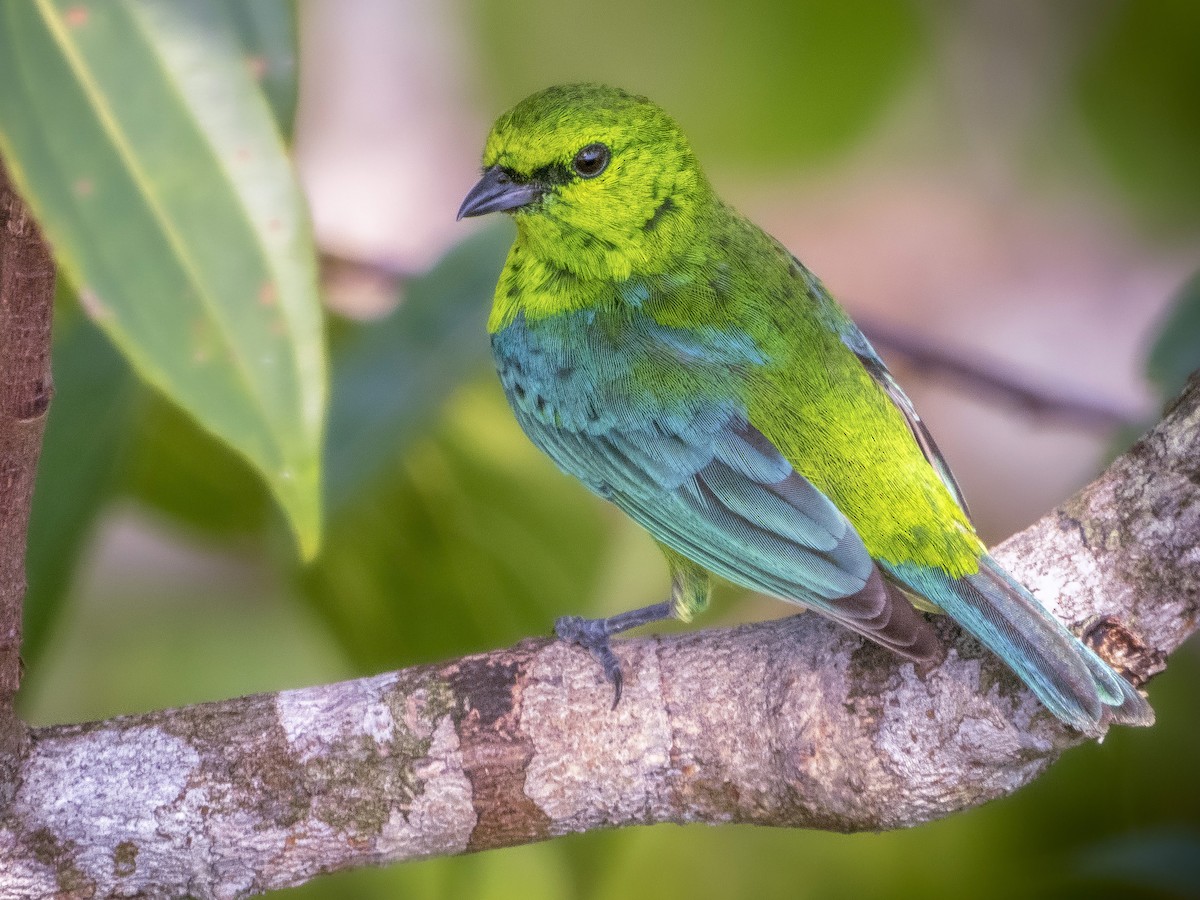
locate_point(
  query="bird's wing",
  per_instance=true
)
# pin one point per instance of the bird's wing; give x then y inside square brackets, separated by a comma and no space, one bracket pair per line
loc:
[836,319]
[718,492]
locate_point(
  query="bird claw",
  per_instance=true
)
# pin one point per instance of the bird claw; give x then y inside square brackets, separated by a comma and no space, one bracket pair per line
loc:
[594,636]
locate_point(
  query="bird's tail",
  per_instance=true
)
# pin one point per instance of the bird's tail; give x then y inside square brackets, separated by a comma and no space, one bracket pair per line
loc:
[1070,680]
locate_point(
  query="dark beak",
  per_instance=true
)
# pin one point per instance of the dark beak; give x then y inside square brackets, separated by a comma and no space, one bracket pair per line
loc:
[495,192]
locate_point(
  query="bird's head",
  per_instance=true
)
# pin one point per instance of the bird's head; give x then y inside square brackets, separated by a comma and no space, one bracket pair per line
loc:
[601,182]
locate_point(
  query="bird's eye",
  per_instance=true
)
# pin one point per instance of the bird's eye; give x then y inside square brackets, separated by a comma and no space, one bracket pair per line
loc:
[591,160]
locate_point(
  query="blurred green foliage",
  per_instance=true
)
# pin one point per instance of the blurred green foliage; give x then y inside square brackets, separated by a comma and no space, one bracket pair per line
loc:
[462,545]
[86,437]
[391,377]
[178,470]
[448,538]
[448,533]
[759,81]
[1175,354]
[1139,92]
[267,31]
[1164,860]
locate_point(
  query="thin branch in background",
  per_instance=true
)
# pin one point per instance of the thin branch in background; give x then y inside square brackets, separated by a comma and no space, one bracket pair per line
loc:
[968,372]
[383,269]
[962,370]
[360,289]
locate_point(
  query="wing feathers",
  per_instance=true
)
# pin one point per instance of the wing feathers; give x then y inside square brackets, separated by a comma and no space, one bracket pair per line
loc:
[895,623]
[723,496]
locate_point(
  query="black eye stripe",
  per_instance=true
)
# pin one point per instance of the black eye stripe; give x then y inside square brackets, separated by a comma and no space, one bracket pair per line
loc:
[553,174]
[557,174]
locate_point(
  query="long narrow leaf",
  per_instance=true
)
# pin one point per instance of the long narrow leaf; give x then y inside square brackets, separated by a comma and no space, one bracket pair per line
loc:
[141,138]
[267,29]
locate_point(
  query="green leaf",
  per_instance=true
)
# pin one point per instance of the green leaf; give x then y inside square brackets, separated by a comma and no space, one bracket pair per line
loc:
[391,377]
[1176,353]
[151,158]
[267,29]
[469,540]
[86,436]
[178,470]
[447,542]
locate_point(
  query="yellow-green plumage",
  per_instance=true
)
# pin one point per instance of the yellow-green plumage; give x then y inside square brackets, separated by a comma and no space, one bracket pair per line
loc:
[682,364]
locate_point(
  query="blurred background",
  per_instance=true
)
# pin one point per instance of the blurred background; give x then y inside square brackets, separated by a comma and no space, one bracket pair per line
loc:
[1015,184]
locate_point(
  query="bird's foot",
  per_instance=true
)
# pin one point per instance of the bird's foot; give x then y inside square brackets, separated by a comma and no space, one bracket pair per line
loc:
[594,635]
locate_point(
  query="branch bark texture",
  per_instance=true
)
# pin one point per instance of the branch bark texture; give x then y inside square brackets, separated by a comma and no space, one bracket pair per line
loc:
[793,723]
[26,307]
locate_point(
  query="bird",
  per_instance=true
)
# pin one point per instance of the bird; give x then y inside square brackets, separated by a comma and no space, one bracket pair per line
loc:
[685,366]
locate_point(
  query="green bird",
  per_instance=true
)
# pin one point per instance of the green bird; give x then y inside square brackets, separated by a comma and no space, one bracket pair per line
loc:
[683,365]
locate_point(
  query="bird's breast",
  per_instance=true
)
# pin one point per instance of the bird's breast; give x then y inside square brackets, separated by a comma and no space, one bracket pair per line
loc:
[592,372]
[552,374]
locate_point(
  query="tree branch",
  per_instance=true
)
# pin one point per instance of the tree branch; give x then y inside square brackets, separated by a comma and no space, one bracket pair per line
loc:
[968,372]
[794,722]
[26,307]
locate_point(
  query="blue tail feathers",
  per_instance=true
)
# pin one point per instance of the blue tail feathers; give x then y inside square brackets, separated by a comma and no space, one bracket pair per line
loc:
[1070,680]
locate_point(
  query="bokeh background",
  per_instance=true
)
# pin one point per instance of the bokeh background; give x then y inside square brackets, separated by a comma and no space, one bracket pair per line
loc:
[1016,183]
